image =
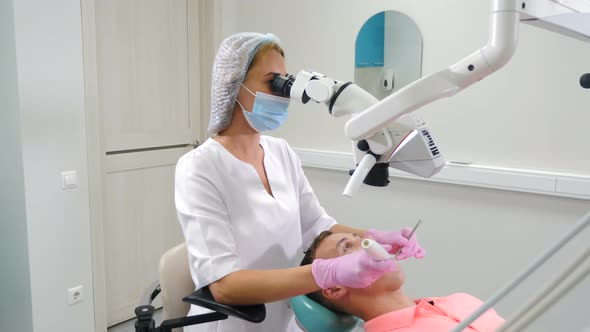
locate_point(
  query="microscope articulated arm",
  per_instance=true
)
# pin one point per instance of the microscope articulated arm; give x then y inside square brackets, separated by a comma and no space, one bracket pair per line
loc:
[447,82]
[384,133]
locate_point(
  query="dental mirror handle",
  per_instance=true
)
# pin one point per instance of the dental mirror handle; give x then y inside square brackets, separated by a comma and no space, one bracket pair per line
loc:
[375,250]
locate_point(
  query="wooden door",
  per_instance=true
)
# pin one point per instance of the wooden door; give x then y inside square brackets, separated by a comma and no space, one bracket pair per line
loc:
[148,87]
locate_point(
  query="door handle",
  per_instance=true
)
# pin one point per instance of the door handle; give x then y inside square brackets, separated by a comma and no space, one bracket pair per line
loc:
[195,144]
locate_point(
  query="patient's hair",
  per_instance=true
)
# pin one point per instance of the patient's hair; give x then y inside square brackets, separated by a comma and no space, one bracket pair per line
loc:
[308,258]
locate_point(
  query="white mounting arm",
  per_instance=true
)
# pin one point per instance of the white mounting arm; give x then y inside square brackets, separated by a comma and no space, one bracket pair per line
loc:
[445,83]
[386,138]
[568,17]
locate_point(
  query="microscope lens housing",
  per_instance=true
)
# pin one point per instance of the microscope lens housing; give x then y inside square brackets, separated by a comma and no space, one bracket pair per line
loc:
[281,85]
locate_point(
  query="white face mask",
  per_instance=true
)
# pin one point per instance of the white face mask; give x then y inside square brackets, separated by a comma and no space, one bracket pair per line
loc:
[268,113]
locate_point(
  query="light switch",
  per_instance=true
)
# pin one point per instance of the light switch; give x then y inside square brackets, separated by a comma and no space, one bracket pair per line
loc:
[69,179]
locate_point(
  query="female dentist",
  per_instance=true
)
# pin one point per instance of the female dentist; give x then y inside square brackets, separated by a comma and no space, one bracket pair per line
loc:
[245,206]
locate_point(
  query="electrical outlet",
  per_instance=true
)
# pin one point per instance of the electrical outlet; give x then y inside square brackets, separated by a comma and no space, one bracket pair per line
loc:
[75,294]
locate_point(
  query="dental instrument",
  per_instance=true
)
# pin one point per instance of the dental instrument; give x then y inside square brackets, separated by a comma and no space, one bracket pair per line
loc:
[375,250]
[399,251]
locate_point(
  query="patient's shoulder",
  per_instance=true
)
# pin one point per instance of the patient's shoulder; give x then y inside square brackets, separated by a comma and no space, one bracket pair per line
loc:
[464,298]
[461,305]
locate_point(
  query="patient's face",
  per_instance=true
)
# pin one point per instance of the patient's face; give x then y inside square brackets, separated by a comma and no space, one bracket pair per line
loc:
[340,244]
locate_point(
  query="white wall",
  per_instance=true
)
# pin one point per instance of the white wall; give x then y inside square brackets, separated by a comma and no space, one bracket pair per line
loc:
[50,83]
[15,286]
[477,239]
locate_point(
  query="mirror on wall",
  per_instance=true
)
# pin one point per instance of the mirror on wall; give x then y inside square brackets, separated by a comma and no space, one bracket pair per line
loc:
[388,53]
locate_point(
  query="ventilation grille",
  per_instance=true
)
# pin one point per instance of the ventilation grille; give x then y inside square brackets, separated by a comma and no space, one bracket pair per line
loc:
[433,148]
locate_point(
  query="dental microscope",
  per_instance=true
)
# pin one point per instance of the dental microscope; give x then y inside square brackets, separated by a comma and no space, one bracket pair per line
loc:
[405,144]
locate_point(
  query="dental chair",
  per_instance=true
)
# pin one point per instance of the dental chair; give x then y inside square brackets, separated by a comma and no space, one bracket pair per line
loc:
[176,282]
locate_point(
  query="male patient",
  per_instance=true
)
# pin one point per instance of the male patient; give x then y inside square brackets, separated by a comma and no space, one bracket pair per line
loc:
[384,306]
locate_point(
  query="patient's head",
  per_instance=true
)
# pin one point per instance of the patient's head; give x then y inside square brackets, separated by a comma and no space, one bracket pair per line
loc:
[340,298]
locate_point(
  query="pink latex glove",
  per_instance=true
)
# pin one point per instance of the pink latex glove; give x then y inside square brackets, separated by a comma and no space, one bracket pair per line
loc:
[397,240]
[355,270]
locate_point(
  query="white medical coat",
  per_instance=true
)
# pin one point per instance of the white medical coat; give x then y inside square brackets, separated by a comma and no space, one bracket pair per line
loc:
[230,222]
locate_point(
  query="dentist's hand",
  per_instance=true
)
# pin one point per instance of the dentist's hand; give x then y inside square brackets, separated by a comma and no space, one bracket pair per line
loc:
[397,240]
[355,270]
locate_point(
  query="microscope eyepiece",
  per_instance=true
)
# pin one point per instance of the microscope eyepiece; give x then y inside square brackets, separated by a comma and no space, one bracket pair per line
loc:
[281,85]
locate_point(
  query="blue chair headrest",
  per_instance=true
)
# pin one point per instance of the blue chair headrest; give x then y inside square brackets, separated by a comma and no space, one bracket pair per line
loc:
[316,318]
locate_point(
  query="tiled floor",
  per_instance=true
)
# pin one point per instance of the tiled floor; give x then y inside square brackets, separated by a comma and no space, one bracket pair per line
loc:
[129,326]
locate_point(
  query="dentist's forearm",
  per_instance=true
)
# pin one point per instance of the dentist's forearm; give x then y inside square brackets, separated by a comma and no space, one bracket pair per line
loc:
[247,287]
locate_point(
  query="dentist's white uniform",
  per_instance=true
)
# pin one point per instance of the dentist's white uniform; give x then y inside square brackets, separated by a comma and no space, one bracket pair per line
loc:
[230,222]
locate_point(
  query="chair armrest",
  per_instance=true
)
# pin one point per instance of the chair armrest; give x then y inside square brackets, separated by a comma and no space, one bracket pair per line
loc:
[204,298]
